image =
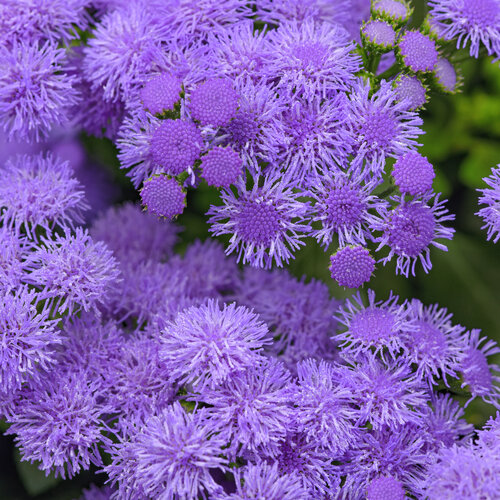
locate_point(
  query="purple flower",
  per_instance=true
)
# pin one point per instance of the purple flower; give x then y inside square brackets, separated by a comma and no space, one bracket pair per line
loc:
[13,250]
[163,196]
[205,345]
[470,21]
[397,11]
[413,174]
[385,487]
[446,75]
[410,229]
[253,408]
[93,492]
[169,457]
[161,93]
[312,58]
[35,92]
[58,422]
[72,271]
[378,35]
[352,266]
[417,51]
[221,167]
[490,197]
[40,190]
[381,124]
[412,90]
[266,223]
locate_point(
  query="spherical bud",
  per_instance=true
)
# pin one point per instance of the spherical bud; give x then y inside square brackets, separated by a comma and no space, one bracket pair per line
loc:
[411,89]
[413,174]
[161,93]
[445,75]
[417,51]
[378,35]
[163,196]
[214,102]
[352,266]
[221,167]
[385,488]
[176,145]
[396,11]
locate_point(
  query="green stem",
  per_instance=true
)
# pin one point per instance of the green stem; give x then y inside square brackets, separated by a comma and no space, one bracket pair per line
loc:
[387,192]
[393,70]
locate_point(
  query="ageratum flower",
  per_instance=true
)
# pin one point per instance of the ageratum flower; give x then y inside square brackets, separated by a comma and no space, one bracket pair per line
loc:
[161,93]
[40,190]
[72,272]
[204,345]
[163,196]
[410,229]
[396,11]
[312,58]
[169,457]
[13,250]
[446,76]
[36,94]
[410,89]
[417,51]
[385,487]
[413,174]
[469,21]
[490,197]
[379,35]
[221,167]
[267,222]
[352,266]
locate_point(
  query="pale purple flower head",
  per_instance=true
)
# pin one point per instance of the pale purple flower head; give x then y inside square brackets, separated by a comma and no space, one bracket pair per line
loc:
[13,250]
[410,229]
[36,94]
[379,35]
[352,266]
[267,222]
[446,75]
[385,488]
[40,190]
[413,174]
[163,196]
[221,167]
[469,21]
[397,11]
[417,51]
[490,197]
[204,345]
[410,89]
[161,93]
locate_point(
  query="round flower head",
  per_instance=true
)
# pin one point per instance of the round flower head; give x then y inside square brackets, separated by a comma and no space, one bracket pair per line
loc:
[176,145]
[410,229]
[163,196]
[382,125]
[469,21]
[312,58]
[379,35]
[267,223]
[435,345]
[396,11]
[72,271]
[352,266]
[221,167]
[446,75]
[385,488]
[94,492]
[376,328]
[161,93]
[479,378]
[58,422]
[417,51]
[491,198]
[411,90]
[40,190]
[170,456]
[35,93]
[214,102]
[205,345]
[413,174]
[344,207]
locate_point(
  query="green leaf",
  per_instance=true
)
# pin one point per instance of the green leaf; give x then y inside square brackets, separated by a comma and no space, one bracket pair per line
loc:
[34,480]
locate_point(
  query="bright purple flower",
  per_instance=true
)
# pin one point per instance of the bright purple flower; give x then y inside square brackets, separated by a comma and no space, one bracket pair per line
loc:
[413,174]
[377,327]
[490,197]
[13,251]
[344,206]
[169,457]
[205,345]
[378,34]
[214,102]
[163,196]
[35,92]
[253,408]
[474,21]
[28,338]
[94,492]
[385,487]
[397,11]
[58,422]
[133,235]
[352,266]
[417,51]
[479,378]
[161,93]
[410,229]
[266,223]
[176,145]
[489,435]
[434,345]
[40,190]
[221,167]
[381,124]
[411,90]
[446,75]
[125,49]
[72,271]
